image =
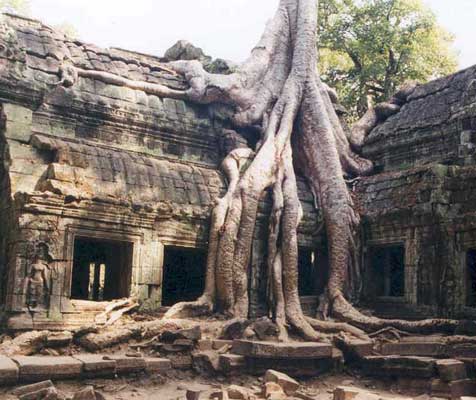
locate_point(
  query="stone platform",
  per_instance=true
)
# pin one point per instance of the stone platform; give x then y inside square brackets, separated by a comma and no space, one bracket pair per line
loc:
[297,359]
[29,369]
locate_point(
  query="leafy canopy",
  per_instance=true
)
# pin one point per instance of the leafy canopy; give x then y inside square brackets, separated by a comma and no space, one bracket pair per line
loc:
[367,48]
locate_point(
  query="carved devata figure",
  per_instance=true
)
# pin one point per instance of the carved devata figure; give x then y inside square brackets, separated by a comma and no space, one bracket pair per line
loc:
[37,287]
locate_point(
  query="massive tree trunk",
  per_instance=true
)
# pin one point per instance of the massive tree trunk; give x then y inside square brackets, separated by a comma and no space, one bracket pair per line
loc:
[278,90]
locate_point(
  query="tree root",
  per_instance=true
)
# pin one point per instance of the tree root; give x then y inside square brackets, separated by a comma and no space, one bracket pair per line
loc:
[345,311]
[279,90]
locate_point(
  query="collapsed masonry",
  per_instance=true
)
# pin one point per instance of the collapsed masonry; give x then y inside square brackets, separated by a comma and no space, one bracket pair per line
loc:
[106,192]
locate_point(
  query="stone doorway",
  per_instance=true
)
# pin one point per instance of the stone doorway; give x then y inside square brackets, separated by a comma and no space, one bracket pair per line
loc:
[184,274]
[385,275]
[471,278]
[102,269]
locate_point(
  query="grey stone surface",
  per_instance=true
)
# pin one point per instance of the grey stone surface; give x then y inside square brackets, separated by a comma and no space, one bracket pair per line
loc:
[286,350]
[9,371]
[96,365]
[37,368]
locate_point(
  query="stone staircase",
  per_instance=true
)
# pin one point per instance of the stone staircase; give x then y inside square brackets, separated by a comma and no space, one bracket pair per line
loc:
[419,365]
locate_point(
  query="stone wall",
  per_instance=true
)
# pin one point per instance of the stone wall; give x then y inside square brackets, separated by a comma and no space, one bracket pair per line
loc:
[437,125]
[104,162]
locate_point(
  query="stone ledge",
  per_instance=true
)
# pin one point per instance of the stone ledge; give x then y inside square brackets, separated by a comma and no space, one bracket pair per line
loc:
[301,350]
[9,371]
[37,368]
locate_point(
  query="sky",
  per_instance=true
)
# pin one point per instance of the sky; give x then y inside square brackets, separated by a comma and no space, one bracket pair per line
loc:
[223,28]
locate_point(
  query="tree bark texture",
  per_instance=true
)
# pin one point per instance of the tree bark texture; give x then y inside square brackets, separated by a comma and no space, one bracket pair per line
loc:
[278,89]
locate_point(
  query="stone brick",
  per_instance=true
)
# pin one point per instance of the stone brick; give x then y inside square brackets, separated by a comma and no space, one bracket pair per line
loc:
[37,368]
[96,365]
[282,350]
[451,370]
[431,349]
[8,371]
[127,365]
[289,385]
[157,365]
[230,363]
[32,388]
[399,366]
[465,387]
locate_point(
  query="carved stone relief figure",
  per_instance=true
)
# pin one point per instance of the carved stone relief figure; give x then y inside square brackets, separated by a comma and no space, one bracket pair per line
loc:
[37,285]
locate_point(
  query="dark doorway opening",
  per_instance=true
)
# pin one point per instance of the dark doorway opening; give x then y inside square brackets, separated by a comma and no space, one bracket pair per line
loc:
[307,271]
[386,272]
[102,269]
[184,274]
[471,278]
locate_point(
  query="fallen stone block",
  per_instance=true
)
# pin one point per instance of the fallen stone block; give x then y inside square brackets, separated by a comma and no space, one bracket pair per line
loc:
[265,329]
[273,391]
[421,348]
[399,366]
[59,339]
[451,370]
[354,350]
[299,367]
[282,350]
[439,388]
[193,394]
[43,394]
[236,392]
[95,365]
[194,334]
[127,365]
[87,393]
[234,329]
[206,362]
[181,361]
[8,371]
[289,385]
[465,387]
[37,368]
[157,365]
[230,363]
[351,393]
[466,350]
[32,388]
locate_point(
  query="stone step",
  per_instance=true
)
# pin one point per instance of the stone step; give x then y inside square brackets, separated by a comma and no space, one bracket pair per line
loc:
[298,359]
[40,368]
[430,348]
[399,366]
[445,371]
[288,350]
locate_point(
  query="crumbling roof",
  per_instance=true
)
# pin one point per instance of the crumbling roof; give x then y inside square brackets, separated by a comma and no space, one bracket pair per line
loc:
[428,127]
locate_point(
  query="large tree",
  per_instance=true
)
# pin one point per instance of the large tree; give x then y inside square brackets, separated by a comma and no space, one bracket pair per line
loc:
[278,94]
[368,48]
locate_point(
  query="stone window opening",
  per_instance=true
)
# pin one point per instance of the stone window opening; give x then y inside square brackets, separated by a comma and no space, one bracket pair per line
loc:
[471,278]
[183,275]
[102,269]
[386,272]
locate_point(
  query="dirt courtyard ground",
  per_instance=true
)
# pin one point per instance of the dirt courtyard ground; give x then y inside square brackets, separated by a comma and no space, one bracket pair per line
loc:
[174,386]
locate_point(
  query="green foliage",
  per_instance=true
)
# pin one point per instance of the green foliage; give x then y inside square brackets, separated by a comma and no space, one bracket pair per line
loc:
[367,48]
[18,6]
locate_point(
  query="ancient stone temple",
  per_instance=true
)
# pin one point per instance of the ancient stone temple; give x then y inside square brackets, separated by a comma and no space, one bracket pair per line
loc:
[106,191]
